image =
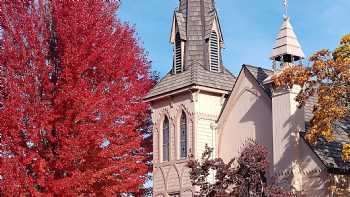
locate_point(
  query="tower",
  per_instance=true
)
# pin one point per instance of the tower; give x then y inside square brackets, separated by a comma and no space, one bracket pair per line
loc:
[287,119]
[188,100]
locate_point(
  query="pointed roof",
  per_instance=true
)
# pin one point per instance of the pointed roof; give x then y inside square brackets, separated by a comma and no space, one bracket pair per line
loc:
[198,13]
[287,43]
[194,19]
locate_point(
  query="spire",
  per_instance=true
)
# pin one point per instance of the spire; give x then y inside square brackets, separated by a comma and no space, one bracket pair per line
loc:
[287,48]
[285,4]
[194,21]
[197,42]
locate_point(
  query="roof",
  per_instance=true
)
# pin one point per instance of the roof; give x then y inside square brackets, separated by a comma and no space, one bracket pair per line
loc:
[194,20]
[260,74]
[330,153]
[195,75]
[287,42]
[181,22]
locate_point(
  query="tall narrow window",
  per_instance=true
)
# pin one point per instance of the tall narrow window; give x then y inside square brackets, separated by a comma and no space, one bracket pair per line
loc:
[183,135]
[214,49]
[166,139]
[178,54]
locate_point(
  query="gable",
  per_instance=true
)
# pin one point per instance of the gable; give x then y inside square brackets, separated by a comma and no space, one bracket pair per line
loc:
[246,116]
[178,25]
[214,25]
[244,79]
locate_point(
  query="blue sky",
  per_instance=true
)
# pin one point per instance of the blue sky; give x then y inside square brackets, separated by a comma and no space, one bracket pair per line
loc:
[249,27]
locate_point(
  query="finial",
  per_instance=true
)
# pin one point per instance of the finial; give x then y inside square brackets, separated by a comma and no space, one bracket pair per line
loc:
[285,4]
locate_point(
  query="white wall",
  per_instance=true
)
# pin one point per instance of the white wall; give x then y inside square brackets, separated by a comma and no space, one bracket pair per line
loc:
[207,108]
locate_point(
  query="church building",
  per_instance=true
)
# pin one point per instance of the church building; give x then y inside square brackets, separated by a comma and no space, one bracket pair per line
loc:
[199,101]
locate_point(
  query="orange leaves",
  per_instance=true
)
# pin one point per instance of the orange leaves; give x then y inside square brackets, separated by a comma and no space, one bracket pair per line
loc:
[328,80]
[291,75]
[346,152]
[345,40]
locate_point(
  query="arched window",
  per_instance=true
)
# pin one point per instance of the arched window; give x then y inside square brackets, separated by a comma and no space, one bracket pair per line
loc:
[214,49]
[178,54]
[183,135]
[166,139]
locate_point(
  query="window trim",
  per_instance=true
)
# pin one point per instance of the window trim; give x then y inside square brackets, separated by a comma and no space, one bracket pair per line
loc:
[165,146]
[183,138]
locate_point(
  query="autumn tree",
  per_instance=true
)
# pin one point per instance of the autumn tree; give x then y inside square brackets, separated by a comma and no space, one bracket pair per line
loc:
[72,120]
[327,79]
[240,177]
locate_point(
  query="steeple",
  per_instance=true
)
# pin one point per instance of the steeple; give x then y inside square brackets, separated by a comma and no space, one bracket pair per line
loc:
[286,48]
[197,25]
[197,42]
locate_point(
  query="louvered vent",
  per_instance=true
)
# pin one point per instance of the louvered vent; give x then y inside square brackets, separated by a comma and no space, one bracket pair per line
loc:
[214,52]
[178,54]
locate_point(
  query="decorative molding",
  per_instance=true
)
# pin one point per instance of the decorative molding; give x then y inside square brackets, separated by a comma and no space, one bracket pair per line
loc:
[171,102]
[183,107]
[204,116]
[162,175]
[173,166]
[155,130]
[289,172]
[170,163]
[165,111]
[194,95]
[285,90]
[214,126]
[223,99]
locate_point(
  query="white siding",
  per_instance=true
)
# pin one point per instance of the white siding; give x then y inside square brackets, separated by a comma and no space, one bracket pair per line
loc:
[205,135]
[208,108]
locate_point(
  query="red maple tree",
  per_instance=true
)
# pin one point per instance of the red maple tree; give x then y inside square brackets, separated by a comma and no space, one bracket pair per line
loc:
[72,79]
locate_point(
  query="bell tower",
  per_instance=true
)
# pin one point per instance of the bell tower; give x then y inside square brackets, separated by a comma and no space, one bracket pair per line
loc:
[287,48]
[287,119]
[189,98]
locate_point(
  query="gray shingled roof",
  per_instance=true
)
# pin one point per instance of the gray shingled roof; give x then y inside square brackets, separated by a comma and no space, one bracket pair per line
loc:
[260,74]
[195,75]
[181,22]
[197,17]
[194,20]
[330,152]
[199,10]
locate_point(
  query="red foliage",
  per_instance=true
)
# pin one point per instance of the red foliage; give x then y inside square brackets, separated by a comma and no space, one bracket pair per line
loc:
[240,177]
[72,79]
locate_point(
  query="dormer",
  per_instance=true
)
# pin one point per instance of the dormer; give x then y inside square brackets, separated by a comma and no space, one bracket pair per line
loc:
[215,44]
[178,38]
